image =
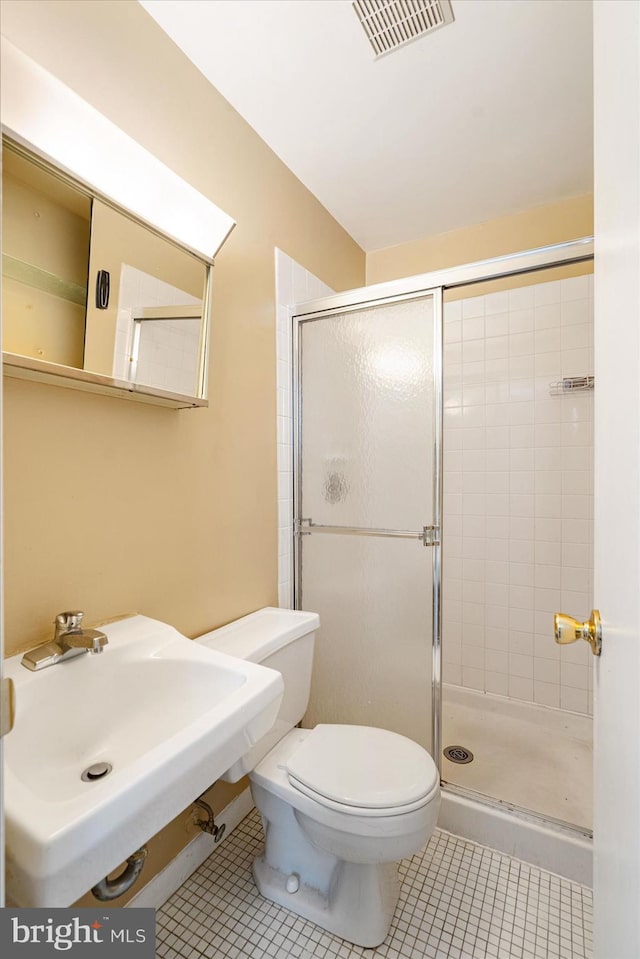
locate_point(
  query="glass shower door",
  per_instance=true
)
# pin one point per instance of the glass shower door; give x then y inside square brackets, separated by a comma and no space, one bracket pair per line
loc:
[367,511]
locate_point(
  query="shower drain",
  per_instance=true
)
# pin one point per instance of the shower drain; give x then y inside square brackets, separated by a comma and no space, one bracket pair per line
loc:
[96,771]
[458,754]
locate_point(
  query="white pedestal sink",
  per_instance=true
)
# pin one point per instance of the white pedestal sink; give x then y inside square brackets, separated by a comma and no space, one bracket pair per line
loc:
[168,715]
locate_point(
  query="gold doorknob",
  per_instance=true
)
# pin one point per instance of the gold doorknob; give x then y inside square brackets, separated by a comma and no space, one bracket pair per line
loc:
[568,630]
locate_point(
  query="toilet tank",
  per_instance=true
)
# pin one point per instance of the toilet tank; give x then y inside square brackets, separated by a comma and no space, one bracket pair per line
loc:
[281,639]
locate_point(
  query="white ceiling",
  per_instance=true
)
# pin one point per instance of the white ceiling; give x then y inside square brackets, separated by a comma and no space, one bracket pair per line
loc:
[488,116]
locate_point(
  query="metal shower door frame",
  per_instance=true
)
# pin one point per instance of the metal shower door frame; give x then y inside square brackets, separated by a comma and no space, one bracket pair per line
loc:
[430,535]
[434,284]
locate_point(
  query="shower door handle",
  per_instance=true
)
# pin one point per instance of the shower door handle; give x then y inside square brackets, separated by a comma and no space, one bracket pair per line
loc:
[428,535]
[568,630]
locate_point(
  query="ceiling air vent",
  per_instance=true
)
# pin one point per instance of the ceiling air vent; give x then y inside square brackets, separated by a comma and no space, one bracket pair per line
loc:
[390,24]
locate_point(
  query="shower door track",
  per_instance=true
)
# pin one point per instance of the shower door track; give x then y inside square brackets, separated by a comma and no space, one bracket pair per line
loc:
[426,284]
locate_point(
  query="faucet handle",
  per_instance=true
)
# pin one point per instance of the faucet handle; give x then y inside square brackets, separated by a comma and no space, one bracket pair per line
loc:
[71,619]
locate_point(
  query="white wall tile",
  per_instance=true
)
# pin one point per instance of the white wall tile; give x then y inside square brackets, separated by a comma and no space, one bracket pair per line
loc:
[521,527]
[472,678]
[496,324]
[521,551]
[521,437]
[576,362]
[522,367]
[519,488]
[546,293]
[497,459]
[497,661]
[547,671]
[544,646]
[575,288]
[521,298]
[521,666]
[522,481]
[549,481]
[452,331]
[473,656]
[548,576]
[473,306]
[496,302]
[546,694]
[521,321]
[576,336]
[521,574]
[497,348]
[472,326]
[574,675]
[549,340]
[497,683]
[521,344]
[549,365]
[497,637]
[576,311]
[547,316]
[575,700]
[577,458]
[521,688]
[452,673]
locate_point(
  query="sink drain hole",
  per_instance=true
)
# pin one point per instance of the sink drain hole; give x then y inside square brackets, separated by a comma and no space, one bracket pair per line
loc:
[458,754]
[96,771]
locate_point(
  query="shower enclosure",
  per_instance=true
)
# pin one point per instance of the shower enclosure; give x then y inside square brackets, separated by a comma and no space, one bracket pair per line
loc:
[368,509]
[442,514]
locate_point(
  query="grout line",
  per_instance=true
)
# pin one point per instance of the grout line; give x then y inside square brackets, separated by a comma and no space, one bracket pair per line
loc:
[459,900]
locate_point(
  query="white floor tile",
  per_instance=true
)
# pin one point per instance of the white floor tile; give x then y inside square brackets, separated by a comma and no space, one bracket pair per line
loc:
[459,900]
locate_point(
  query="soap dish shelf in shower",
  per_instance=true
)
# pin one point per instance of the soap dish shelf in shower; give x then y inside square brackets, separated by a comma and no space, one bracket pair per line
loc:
[572,384]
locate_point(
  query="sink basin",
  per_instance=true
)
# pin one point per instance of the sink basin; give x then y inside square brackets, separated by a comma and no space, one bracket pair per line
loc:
[169,716]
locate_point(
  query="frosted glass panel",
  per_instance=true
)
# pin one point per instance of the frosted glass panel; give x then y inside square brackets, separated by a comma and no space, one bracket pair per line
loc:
[372,662]
[367,417]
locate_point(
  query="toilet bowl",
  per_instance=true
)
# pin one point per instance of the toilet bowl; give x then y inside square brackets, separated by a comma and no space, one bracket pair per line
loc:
[340,804]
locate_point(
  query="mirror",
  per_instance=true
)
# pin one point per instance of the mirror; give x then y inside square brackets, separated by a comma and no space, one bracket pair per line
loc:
[91,293]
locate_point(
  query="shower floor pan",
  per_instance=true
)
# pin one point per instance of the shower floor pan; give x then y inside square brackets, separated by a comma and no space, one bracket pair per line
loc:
[533,757]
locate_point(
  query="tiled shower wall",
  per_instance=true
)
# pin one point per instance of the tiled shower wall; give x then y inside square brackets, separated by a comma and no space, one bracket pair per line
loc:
[518,491]
[294,285]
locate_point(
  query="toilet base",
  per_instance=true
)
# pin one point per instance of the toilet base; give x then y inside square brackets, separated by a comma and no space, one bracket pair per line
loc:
[359,905]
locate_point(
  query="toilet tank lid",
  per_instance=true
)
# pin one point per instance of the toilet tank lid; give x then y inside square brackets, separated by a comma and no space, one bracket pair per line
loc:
[258,635]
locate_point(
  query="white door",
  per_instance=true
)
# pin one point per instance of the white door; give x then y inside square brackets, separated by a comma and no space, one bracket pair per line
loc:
[617,478]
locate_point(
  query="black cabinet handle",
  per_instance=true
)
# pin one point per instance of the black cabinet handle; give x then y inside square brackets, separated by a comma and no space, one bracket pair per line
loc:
[103,282]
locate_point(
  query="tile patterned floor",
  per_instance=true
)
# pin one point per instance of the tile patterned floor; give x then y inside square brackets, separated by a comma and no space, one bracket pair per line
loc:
[458,901]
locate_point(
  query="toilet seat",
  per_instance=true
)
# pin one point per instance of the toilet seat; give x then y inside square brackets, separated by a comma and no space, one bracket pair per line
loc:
[362,770]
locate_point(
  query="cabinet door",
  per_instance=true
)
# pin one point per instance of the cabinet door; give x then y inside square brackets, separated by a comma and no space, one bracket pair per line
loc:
[149,328]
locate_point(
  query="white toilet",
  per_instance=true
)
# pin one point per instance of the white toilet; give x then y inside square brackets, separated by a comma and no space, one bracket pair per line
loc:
[340,805]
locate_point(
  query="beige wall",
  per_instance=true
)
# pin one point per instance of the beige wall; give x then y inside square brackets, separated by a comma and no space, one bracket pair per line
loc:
[554,223]
[113,506]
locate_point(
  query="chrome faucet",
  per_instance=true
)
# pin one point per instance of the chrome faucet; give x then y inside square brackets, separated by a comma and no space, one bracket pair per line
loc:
[69,640]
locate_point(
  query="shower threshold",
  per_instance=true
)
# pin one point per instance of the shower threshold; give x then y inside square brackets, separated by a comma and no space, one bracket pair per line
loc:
[553,845]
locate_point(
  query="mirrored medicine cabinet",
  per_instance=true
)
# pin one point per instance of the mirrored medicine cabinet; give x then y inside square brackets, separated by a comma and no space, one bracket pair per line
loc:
[93,298]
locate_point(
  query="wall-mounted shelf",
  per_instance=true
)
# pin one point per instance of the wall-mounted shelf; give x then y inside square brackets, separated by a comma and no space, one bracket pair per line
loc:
[39,279]
[572,384]
[27,368]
